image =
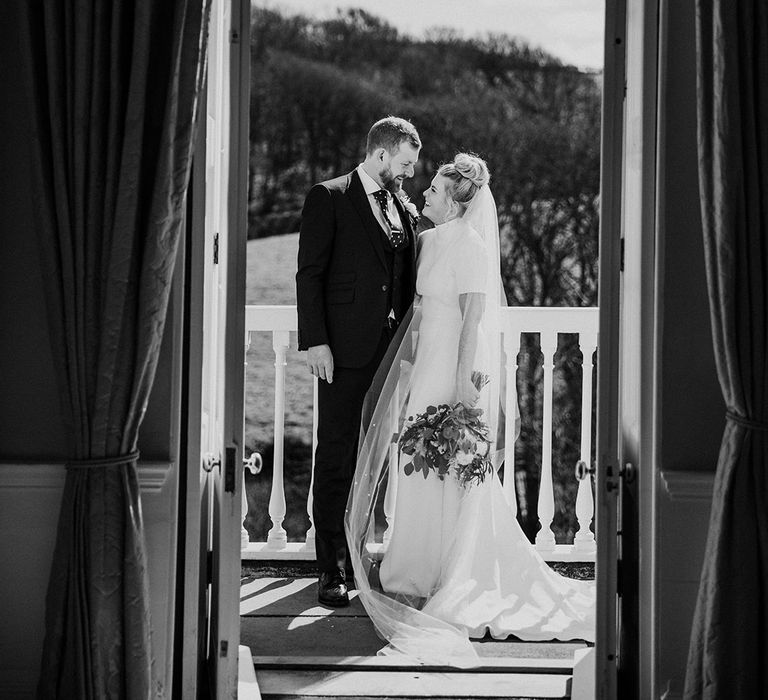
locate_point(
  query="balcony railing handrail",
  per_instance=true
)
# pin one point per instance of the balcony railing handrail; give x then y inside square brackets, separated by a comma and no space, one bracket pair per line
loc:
[525,319]
[548,322]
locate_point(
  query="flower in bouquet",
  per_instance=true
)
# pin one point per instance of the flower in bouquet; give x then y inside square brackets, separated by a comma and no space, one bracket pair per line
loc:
[446,439]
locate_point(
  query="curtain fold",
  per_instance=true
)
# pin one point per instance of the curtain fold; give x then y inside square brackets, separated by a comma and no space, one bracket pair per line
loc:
[115,87]
[729,641]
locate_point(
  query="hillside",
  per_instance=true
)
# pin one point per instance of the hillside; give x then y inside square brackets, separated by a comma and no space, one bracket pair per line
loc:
[318,85]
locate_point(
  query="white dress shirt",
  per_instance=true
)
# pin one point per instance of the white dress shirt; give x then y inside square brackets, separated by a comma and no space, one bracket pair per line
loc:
[370,186]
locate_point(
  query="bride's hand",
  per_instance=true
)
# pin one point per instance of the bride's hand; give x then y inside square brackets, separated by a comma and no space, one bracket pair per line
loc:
[466,393]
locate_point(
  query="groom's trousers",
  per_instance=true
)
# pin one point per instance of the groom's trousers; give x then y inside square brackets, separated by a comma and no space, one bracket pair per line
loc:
[338,430]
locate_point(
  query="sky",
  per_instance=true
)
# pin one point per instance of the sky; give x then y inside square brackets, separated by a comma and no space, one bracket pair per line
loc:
[571,30]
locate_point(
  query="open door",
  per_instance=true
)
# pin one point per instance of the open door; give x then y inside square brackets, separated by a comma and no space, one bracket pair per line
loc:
[609,300]
[215,274]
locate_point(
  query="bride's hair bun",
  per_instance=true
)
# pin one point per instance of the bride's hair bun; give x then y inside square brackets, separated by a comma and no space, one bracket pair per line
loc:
[466,174]
[472,168]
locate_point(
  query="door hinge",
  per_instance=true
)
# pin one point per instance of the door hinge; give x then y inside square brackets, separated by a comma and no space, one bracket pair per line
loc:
[234,36]
[209,567]
[223,648]
[619,577]
[621,262]
[216,249]
[229,469]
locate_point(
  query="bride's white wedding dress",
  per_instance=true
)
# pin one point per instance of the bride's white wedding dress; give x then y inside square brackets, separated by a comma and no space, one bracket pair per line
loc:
[463,549]
[457,564]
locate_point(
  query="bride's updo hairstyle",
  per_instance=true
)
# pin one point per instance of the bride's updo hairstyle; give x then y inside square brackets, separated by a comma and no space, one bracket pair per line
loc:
[466,175]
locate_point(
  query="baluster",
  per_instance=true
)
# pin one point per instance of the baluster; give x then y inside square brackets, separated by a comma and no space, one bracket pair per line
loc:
[309,542]
[584,541]
[244,537]
[390,496]
[253,464]
[545,538]
[511,349]
[277,537]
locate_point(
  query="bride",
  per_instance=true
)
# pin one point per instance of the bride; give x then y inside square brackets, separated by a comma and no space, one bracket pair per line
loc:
[455,564]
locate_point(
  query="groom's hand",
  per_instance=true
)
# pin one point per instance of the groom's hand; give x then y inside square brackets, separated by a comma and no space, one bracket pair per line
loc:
[320,362]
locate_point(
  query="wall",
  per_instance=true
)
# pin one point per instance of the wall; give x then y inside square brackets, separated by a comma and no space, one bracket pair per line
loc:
[32,438]
[690,411]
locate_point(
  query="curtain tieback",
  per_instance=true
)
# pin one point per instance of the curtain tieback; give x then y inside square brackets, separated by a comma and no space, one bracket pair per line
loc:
[103,461]
[746,422]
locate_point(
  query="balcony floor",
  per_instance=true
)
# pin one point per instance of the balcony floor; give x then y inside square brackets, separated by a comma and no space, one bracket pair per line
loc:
[303,650]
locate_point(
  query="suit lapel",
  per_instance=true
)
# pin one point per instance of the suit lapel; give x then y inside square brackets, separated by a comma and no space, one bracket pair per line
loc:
[359,199]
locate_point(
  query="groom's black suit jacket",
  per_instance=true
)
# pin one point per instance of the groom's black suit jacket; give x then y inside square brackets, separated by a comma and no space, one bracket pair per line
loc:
[344,282]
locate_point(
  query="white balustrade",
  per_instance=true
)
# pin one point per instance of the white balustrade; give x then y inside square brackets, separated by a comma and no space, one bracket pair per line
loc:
[545,538]
[244,537]
[309,540]
[277,537]
[547,323]
[584,540]
[253,464]
[511,350]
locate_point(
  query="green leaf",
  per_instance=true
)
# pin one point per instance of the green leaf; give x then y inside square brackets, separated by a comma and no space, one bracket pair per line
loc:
[408,469]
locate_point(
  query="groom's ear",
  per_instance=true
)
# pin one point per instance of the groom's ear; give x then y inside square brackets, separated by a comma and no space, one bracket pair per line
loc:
[380,153]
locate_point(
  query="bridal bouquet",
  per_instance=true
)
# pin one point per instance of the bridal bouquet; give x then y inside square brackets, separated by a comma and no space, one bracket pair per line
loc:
[446,438]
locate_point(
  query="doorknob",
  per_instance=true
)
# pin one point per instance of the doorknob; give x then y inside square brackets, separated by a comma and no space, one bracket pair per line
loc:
[254,463]
[210,461]
[627,472]
[583,471]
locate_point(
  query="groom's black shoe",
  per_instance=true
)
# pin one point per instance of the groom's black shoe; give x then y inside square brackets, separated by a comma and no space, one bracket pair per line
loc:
[332,589]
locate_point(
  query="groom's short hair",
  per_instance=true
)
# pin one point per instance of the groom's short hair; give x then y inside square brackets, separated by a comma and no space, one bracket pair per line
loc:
[389,133]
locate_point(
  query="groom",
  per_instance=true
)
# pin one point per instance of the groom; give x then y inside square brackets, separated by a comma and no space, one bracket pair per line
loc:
[355,281]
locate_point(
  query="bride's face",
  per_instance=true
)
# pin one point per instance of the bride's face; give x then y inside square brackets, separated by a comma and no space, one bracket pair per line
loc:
[438,206]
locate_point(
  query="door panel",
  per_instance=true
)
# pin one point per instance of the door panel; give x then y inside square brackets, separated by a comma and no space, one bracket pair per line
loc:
[609,300]
[216,316]
[637,380]
[226,222]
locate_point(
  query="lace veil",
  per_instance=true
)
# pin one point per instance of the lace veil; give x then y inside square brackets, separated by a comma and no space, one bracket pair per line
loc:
[400,619]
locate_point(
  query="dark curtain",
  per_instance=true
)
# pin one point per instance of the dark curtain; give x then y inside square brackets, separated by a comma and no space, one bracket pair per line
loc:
[729,644]
[115,87]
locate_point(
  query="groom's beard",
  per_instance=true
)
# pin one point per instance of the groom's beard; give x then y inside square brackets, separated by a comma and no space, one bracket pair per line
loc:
[389,181]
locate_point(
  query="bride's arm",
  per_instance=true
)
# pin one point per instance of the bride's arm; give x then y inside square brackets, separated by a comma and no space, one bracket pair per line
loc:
[472,307]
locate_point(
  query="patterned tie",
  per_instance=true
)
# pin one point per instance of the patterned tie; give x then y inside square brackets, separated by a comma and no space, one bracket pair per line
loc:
[396,235]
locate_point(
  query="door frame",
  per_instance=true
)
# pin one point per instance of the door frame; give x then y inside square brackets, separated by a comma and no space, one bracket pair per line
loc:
[226,575]
[191,641]
[631,437]
[609,360]
[638,378]
[629,307]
